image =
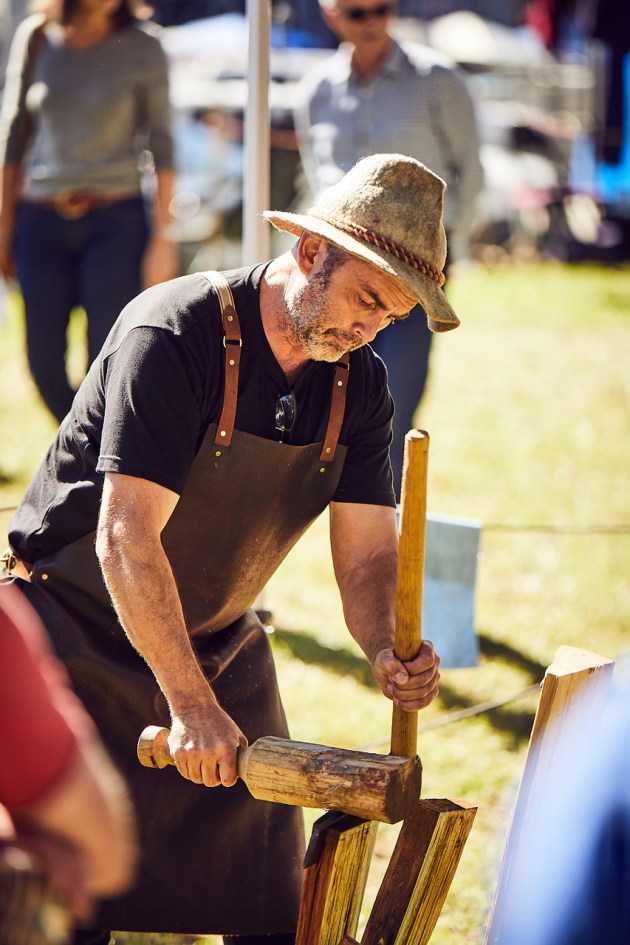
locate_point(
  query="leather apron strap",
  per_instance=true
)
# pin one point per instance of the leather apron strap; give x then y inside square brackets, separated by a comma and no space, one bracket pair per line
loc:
[233,344]
[337,409]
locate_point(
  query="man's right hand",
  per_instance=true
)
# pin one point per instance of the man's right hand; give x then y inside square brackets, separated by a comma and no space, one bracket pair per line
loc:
[204,745]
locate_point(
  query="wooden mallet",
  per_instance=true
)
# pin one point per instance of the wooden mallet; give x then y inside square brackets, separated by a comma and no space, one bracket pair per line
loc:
[377,787]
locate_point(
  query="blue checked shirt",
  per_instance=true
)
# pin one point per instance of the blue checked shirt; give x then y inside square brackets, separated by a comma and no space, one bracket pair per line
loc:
[416,104]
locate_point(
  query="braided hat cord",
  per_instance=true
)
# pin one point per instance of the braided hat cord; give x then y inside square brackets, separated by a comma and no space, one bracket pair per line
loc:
[383,242]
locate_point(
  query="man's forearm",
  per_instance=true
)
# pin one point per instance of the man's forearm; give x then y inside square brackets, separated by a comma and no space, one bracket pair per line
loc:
[204,740]
[364,544]
[145,596]
[369,599]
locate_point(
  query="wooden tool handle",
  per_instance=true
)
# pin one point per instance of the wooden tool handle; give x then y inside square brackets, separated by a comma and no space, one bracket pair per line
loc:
[153,750]
[409,579]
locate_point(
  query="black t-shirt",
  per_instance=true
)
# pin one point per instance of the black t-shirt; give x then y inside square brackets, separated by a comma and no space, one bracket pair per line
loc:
[147,401]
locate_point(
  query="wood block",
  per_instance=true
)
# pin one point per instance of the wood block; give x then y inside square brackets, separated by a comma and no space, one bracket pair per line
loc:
[572,672]
[336,867]
[420,872]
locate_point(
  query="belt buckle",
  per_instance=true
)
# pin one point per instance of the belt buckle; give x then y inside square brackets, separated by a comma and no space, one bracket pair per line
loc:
[72,206]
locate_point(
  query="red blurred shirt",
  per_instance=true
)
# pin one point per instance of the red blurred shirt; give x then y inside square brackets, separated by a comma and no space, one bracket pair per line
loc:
[41,720]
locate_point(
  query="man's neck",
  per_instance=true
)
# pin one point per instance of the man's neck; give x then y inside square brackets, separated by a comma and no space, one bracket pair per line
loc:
[369,57]
[275,317]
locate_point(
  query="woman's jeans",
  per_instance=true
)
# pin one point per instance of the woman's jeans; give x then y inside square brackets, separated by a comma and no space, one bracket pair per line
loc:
[93,261]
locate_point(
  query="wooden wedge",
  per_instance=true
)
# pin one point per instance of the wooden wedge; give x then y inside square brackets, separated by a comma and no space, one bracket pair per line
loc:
[425,858]
[336,867]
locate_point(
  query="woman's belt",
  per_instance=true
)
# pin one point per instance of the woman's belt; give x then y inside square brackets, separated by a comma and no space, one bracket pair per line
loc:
[72,206]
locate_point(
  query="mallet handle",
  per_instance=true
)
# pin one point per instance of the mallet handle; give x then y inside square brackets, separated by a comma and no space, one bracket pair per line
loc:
[153,750]
[377,787]
[409,579]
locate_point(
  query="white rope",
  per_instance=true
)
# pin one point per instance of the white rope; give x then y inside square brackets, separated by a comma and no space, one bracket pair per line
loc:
[458,714]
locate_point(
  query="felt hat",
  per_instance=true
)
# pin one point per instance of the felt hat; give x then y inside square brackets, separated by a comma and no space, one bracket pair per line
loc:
[387,210]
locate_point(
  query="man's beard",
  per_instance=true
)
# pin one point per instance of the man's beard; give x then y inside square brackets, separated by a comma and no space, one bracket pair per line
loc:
[308,314]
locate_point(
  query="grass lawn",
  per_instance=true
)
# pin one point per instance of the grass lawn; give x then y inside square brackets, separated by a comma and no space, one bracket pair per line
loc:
[528,409]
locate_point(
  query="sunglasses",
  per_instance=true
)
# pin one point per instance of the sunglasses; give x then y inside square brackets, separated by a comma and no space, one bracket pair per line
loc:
[286,410]
[360,14]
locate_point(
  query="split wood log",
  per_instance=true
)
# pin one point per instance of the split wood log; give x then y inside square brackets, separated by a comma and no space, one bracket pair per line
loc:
[336,868]
[379,787]
[420,872]
[574,672]
[410,576]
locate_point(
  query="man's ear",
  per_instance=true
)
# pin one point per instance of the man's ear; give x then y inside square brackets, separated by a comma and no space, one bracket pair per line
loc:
[310,250]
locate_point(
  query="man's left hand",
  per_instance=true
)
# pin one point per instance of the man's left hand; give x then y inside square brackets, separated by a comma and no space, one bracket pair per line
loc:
[410,685]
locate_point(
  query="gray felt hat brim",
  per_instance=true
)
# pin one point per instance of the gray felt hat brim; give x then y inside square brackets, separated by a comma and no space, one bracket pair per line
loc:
[440,314]
[386,210]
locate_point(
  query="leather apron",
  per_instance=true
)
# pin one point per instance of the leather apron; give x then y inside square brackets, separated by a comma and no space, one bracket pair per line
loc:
[213,860]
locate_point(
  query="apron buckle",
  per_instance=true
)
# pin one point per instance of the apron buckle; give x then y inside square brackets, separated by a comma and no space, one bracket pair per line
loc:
[8,560]
[14,566]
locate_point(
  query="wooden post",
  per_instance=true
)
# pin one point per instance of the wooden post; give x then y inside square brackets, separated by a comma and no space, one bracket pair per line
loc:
[408,634]
[420,872]
[573,672]
[336,867]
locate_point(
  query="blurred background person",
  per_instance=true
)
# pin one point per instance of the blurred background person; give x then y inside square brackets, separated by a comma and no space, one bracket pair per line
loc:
[12,12]
[86,98]
[378,95]
[66,827]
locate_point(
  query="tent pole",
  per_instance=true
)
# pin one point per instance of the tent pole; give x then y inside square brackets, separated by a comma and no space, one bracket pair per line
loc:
[257,166]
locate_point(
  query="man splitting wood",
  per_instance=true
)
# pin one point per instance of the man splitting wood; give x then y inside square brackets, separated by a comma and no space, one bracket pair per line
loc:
[222,416]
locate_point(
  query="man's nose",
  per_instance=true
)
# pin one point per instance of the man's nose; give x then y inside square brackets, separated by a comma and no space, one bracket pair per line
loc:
[369,326]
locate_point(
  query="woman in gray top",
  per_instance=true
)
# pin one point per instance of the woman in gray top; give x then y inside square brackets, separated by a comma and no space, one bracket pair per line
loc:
[85,102]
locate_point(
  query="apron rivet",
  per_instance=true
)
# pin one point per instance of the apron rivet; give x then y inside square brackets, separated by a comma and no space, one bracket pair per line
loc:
[44,576]
[218,453]
[328,449]
[223,433]
[232,363]
[323,469]
[339,383]
[230,318]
